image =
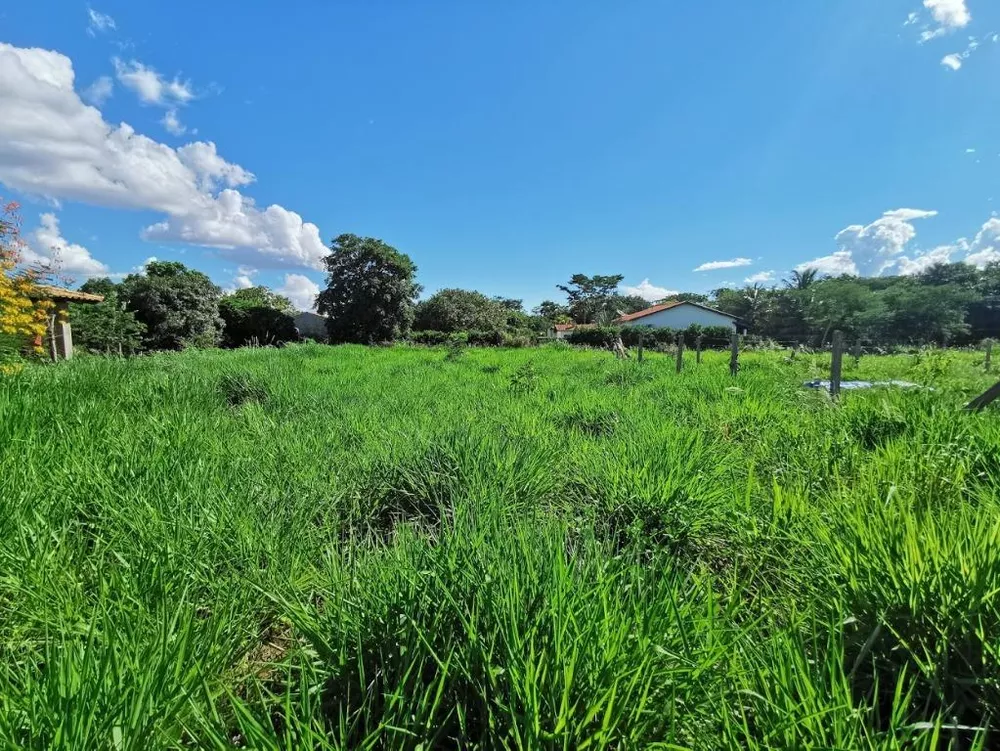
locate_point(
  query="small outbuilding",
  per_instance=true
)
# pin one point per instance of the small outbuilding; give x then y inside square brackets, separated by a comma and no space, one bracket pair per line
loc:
[562,330]
[59,336]
[678,315]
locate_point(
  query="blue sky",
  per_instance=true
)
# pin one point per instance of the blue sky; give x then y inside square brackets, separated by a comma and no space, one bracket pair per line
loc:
[505,146]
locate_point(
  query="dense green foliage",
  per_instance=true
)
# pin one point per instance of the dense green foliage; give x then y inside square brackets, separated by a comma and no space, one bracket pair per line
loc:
[370,293]
[256,315]
[604,336]
[332,548]
[451,310]
[594,299]
[947,303]
[107,327]
[178,307]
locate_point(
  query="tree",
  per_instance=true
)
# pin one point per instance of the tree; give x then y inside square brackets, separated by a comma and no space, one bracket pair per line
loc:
[460,310]
[552,311]
[370,291]
[24,314]
[589,297]
[256,315]
[178,306]
[106,327]
[801,279]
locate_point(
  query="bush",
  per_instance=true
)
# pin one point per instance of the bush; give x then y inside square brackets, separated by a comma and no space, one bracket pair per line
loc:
[604,336]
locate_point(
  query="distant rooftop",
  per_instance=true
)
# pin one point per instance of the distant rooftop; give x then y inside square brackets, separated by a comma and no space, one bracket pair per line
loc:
[69,295]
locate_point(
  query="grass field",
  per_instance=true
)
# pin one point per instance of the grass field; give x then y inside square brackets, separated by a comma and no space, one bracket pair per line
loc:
[389,548]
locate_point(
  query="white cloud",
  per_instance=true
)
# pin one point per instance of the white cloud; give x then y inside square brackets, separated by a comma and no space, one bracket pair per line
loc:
[923,261]
[982,258]
[734,263]
[150,86]
[211,169]
[49,249]
[953,61]
[949,14]
[970,151]
[276,236]
[649,292]
[760,277]
[244,277]
[912,19]
[99,22]
[834,264]
[872,249]
[878,248]
[985,248]
[54,145]
[99,91]
[301,290]
[172,123]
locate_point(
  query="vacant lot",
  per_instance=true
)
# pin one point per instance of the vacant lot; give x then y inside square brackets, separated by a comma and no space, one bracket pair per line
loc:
[407,548]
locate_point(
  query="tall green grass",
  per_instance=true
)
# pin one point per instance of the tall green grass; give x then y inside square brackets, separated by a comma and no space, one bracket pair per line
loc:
[387,548]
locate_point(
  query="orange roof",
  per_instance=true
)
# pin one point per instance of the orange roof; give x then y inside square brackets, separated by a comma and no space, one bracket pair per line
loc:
[649,311]
[72,295]
[668,306]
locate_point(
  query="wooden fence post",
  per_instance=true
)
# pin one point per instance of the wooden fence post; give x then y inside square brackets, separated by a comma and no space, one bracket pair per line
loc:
[734,353]
[989,355]
[680,352]
[856,351]
[697,349]
[836,363]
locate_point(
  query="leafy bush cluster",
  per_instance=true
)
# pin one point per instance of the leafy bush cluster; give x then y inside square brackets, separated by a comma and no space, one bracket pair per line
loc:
[473,338]
[604,336]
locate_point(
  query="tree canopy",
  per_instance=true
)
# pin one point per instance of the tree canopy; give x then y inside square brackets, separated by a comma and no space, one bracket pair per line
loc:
[370,291]
[178,306]
[452,310]
[106,327]
[257,315]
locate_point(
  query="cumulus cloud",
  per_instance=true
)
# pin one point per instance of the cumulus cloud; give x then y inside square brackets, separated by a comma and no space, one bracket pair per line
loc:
[949,14]
[923,261]
[760,277]
[649,292]
[734,263]
[211,169]
[99,22]
[172,123]
[244,277]
[301,290]
[985,247]
[274,236]
[834,264]
[54,145]
[879,247]
[150,86]
[99,91]
[911,19]
[47,248]
[871,249]
[953,61]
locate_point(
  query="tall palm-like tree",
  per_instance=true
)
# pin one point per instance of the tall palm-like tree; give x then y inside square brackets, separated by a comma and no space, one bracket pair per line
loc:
[801,279]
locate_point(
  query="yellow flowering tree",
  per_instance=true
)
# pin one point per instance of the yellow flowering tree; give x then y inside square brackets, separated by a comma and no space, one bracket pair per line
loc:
[23,315]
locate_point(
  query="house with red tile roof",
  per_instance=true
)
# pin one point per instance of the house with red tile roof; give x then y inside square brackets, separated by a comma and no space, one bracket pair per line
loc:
[678,315]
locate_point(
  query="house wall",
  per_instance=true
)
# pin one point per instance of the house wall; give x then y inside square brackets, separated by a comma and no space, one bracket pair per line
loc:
[682,316]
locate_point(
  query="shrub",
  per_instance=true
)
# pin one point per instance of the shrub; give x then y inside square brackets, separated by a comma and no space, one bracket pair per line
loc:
[604,336]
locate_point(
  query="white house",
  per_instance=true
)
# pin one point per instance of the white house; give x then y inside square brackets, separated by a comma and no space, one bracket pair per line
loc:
[678,315]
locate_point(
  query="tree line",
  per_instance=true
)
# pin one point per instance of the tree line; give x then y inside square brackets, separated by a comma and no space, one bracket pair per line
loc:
[371,296]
